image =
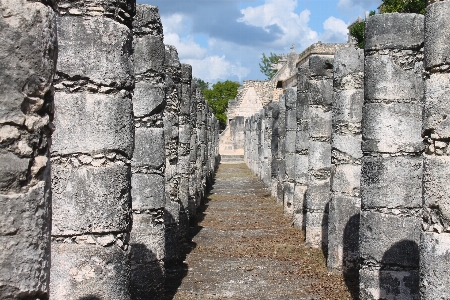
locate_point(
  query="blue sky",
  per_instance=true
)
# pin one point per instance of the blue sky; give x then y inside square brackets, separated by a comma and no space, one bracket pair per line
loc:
[225,39]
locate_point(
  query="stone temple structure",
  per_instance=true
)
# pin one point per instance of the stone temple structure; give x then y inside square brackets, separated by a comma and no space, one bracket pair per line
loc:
[107,149]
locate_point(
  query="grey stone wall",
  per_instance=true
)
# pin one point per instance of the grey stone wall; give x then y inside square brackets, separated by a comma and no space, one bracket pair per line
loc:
[319,150]
[346,155]
[27,66]
[92,146]
[435,238]
[391,180]
[301,147]
[148,163]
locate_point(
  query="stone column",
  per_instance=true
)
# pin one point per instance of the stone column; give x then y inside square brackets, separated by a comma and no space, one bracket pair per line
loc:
[267,145]
[91,151]
[319,149]
[281,153]
[171,135]
[291,132]
[391,180]
[27,62]
[301,147]
[193,153]
[435,240]
[274,146]
[148,163]
[346,155]
[184,149]
[260,144]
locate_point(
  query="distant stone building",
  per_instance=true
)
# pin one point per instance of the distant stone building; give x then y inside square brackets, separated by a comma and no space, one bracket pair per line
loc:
[254,95]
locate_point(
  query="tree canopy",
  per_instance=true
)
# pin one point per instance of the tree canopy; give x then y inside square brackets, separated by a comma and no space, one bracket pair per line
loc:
[404,6]
[266,64]
[218,97]
[201,84]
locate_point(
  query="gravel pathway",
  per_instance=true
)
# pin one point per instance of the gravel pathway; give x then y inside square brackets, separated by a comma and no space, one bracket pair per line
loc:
[243,247]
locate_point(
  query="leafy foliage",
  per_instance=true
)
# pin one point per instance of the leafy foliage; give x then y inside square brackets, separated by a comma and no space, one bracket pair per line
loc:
[201,84]
[266,64]
[404,6]
[218,97]
[357,31]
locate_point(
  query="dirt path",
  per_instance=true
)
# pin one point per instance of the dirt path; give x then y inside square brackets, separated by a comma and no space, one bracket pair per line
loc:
[243,247]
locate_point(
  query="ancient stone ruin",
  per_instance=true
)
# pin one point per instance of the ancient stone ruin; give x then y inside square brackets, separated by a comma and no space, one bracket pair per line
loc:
[362,167]
[107,149]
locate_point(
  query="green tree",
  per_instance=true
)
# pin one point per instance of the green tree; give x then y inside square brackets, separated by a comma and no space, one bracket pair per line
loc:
[404,6]
[218,97]
[201,84]
[266,64]
[357,31]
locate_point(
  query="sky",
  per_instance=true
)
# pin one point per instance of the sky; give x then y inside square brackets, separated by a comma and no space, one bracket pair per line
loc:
[225,39]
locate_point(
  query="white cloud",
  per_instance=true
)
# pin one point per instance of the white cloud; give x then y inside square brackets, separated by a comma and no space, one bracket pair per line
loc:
[357,7]
[281,13]
[335,31]
[213,68]
[176,34]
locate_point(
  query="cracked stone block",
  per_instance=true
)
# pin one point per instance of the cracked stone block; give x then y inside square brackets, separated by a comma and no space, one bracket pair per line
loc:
[148,99]
[149,53]
[290,165]
[394,31]
[319,122]
[301,168]
[316,229]
[321,65]
[348,68]
[291,119]
[149,148]
[318,194]
[147,279]
[392,127]
[346,179]
[436,190]
[393,182]
[321,92]
[346,147]
[343,234]
[434,265]
[148,191]
[289,198]
[386,80]
[347,111]
[301,141]
[299,204]
[388,284]
[105,61]
[437,33]
[147,239]
[319,155]
[90,271]
[25,238]
[103,123]
[13,170]
[390,240]
[90,199]
[437,105]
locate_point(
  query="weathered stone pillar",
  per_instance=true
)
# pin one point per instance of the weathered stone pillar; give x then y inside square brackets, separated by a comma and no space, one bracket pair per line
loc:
[319,149]
[27,62]
[184,148]
[281,153]
[274,146]
[346,155]
[391,180]
[291,132]
[435,240]
[260,145]
[194,153]
[301,147]
[147,181]
[171,134]
[267,145]
[91,151]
